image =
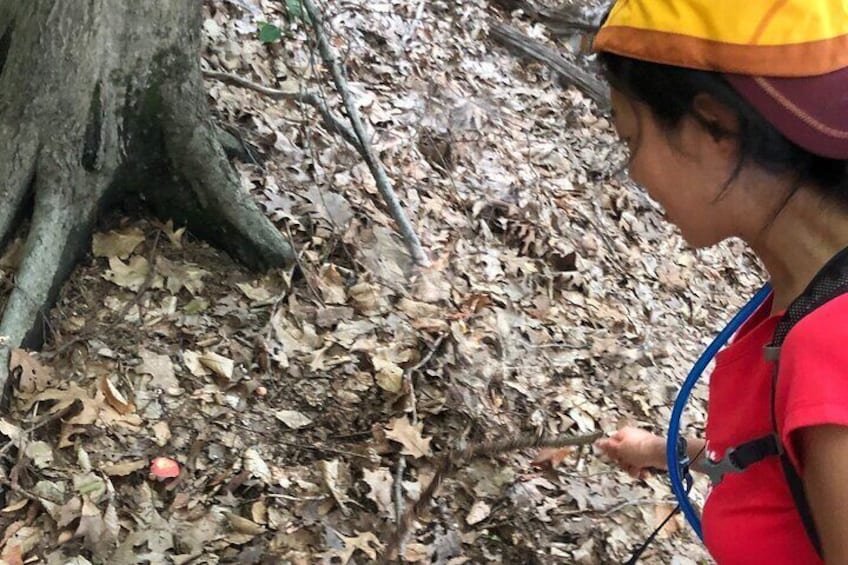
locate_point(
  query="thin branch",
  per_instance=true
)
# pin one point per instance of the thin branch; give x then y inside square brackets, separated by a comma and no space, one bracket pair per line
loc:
[332,122]
[453,459]
[413,244]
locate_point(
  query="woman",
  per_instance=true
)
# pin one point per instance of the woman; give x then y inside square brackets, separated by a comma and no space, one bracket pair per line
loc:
[736,115]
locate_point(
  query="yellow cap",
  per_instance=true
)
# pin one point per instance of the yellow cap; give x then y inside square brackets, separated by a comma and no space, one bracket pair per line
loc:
[779,38]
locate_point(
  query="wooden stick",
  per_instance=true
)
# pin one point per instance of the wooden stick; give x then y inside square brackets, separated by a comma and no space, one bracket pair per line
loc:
[413,244]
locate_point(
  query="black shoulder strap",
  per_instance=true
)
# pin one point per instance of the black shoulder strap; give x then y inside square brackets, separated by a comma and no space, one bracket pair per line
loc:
[829,283]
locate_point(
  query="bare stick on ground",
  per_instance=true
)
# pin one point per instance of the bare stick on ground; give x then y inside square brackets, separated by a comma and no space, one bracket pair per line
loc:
[519,44]
[331,121]
[413,244]
[452,460]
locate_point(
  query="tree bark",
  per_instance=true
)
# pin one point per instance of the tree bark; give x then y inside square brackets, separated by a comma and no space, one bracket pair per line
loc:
[102,102]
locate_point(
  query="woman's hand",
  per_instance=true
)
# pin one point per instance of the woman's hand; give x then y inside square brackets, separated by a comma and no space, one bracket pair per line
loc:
[634,450]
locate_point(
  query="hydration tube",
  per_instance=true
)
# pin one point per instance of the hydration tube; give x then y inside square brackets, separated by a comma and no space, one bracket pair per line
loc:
[672,457]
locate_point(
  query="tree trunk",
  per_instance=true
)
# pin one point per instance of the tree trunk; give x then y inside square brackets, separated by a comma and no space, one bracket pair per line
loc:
[102,101]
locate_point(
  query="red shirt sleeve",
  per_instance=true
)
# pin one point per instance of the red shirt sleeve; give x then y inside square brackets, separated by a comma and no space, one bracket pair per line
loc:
[812,386]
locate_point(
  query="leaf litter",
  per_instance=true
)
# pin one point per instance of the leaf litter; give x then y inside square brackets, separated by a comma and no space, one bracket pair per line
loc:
[283,405]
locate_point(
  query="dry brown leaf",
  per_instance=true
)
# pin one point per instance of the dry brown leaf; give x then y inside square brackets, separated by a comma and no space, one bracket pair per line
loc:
[130,275]
[367,542]
[218,364]
[256,466]
[40,452]
[161,368]
[293,419]
[479,511]
[15,506]
[116,244]
[191,359]
[114,398]
[255,293]
[330,474]
[550,457]
[161,433]
[380,482]
[34,377]
[331,285]
[409,436]
[244,526]
[124,468]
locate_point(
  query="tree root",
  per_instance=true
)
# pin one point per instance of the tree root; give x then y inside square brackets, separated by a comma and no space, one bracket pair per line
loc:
[192,144]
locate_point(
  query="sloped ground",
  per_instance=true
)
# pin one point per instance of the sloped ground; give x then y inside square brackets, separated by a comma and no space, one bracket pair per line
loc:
[298,404]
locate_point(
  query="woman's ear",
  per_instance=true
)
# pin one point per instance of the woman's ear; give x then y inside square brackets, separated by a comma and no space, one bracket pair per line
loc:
[716,118]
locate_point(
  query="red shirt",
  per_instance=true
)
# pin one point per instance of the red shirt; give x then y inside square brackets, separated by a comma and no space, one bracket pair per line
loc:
[749,518]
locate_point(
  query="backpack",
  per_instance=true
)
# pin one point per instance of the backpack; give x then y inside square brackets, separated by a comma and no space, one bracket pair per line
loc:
[831,282]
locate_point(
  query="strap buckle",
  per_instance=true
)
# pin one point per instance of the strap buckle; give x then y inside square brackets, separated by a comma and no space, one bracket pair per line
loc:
[716,470]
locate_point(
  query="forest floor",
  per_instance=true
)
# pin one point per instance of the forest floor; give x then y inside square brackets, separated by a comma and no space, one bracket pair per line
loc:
[299,404]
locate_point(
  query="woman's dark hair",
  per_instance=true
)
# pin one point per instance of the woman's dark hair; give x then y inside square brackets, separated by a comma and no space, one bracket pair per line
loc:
[669,92]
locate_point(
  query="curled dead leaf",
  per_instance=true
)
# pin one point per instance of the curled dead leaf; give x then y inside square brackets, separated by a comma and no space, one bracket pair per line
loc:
[218,364]
[551,458]
[244,526]
[114,398]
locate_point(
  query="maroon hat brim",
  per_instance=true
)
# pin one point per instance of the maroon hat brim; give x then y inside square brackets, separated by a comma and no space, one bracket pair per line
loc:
[810,111]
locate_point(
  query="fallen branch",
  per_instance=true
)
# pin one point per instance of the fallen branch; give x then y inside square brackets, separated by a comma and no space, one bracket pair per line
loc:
[562,21]
[333,123]
[453,459]
[413,244]
[524,46]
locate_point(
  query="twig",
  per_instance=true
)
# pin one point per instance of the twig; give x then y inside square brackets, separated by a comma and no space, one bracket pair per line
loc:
[399,511]
[46,420]
[331,121]
[413,244]
[453,459]
[414,25]
[303,270]
[525,46]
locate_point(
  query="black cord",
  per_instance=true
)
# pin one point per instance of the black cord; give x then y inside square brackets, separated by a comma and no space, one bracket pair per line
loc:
[641,549]
[637,554]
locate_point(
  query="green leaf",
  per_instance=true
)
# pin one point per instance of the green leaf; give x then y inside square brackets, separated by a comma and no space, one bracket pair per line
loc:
[269,33]
[294,8]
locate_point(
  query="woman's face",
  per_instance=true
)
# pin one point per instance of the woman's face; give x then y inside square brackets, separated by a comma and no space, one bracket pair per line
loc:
[686,171]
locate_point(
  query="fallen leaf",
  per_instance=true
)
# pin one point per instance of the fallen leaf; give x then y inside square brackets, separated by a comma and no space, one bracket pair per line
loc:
[293,419]
[10,430]
[41,453]
[34,377]
[255,293]
[256,466]
[161,433]
[124,468]
[218,364]
[479,511]
[114,398]
[331,285]
[15,506]
[243,525]
[161,369]
[330,474]
[367,542]
[380,483]
[409,436]
[130,275]
[191,359]
[180,276]
[116,244]
[550,458]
